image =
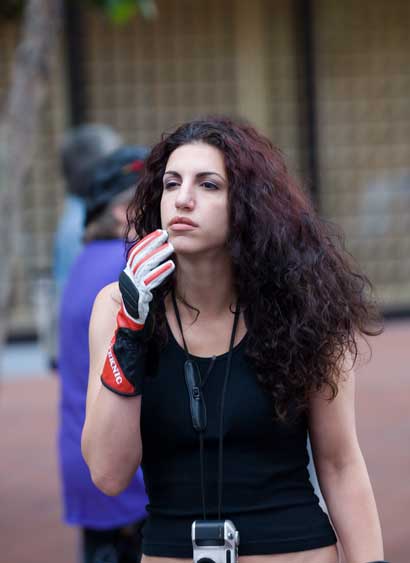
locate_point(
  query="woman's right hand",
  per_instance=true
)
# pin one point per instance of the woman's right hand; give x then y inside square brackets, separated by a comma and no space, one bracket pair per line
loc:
[145,270]
[125,363]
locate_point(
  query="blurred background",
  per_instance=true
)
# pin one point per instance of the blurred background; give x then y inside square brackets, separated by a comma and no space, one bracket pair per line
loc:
[327,81]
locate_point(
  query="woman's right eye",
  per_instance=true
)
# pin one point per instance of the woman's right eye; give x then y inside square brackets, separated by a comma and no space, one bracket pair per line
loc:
[170,184]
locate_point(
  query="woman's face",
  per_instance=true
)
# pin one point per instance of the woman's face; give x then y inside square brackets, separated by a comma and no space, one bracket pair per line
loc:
[194,203]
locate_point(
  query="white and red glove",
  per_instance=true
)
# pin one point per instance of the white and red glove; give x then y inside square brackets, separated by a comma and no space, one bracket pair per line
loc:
[124,367]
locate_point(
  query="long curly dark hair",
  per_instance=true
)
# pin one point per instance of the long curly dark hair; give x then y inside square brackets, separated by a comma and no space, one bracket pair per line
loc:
[304,301]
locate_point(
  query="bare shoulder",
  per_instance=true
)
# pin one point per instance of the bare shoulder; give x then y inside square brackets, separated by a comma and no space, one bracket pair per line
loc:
[108,297]
[105,309]
[332,424]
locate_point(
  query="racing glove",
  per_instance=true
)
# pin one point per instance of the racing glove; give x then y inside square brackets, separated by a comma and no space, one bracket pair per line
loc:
[125,364]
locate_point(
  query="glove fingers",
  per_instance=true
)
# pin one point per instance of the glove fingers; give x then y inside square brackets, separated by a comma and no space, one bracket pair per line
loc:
[157,276]
[145,246]
[153,259]
[139,246]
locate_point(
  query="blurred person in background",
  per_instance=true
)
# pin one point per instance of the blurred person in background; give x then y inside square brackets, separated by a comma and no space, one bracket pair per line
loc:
[81,147]
[110,527]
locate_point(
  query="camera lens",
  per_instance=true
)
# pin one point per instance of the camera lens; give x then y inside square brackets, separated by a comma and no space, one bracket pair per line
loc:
[206,560]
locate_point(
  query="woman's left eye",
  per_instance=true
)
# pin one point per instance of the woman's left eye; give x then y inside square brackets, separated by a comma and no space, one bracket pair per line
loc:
[209,185]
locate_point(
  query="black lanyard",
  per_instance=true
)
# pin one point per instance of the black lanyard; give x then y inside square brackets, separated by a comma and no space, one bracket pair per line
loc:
[198,407]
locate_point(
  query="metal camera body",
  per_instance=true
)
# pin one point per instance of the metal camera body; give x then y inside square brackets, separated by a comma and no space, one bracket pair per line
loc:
[215,541]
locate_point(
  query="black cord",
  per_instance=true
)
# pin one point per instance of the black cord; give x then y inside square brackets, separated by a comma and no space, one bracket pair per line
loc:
[208,371]
[201,461]
[201,434]
[176,310]
[221,420]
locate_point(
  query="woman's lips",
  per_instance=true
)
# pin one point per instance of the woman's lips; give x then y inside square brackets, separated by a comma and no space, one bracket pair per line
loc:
[182,224]
[181,227]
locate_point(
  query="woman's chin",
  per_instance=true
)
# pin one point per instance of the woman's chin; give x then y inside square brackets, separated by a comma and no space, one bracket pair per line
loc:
[183,246]
[195,246]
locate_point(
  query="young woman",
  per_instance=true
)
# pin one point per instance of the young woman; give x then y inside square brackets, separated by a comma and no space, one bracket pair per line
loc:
[212,380]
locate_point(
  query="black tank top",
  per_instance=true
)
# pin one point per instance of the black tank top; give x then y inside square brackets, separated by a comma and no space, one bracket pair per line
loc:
[266,487]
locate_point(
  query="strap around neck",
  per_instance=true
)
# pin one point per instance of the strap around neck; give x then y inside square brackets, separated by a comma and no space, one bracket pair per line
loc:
[178,317]
[221,419]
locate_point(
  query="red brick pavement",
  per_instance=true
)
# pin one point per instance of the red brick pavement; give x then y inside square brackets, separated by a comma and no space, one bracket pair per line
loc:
[30,526]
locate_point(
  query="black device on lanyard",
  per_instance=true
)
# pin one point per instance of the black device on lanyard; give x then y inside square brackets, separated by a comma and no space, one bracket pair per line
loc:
[214,541]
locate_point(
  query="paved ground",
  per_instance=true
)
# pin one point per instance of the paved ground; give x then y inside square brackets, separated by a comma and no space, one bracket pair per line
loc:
[30,528]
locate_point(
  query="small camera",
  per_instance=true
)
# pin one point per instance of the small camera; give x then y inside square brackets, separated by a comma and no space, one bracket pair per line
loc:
[215,541]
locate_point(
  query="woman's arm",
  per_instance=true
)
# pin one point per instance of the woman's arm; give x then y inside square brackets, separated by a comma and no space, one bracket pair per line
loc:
[342,473]
[111,439]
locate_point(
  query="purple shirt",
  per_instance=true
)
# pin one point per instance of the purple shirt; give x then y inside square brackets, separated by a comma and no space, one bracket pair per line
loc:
[98,264]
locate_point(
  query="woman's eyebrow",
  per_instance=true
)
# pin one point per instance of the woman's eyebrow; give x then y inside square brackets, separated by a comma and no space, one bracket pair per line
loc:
[210,173]
[199,175]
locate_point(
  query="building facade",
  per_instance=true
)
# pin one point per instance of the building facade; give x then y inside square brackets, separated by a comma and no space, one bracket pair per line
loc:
[330,86]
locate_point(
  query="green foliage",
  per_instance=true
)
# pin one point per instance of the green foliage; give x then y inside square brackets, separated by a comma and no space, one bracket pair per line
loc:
[121,11]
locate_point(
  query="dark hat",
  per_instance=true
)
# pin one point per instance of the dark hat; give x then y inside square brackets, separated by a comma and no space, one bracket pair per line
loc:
[80,149]
[112,175]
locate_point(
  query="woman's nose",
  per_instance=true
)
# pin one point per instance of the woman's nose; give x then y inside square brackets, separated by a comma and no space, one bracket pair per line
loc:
[185,197]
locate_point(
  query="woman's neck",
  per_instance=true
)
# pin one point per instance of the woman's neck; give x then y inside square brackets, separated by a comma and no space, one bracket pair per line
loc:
[206,285]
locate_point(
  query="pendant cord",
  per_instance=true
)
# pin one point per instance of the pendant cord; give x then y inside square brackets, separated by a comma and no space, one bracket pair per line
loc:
[201,461]
[178,317]
[221,419]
